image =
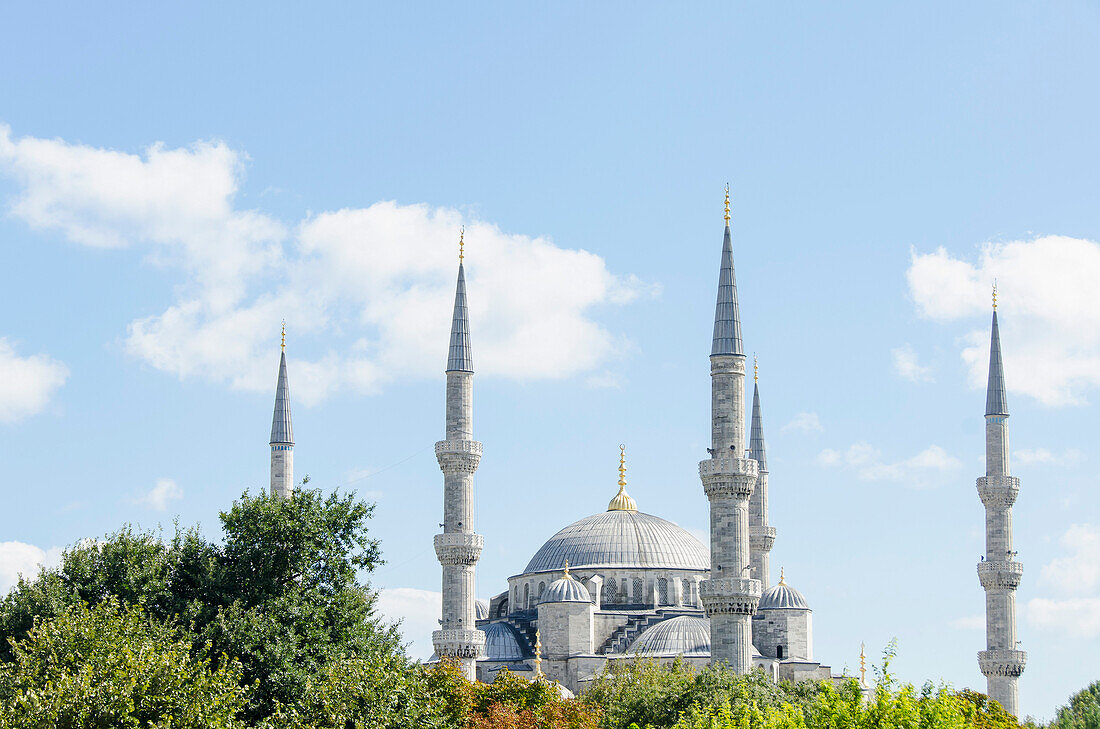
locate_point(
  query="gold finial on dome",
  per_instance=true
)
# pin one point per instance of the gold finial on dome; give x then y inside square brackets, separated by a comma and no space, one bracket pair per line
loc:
[565,574]
[862,666]
[781,580]
[727,203]
[461,243]
[994,294]
[283,344]
[622,500]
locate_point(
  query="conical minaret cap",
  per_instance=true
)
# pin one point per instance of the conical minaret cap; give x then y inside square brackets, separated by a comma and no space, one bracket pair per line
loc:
[727,317]
[757,449]
[282,433]
[996,399]
[459,358]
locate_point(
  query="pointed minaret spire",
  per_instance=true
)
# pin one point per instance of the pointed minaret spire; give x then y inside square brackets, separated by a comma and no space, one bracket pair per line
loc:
[459,358]
[459,547]
[761,536]
[282,433]
[727,318]
[1002,662]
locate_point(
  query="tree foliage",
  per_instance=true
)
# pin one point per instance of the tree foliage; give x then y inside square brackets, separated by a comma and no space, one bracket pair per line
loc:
[1082,711]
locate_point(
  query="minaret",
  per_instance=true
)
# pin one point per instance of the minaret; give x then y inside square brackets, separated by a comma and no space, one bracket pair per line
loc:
[999,572]
[282,434]
[730,596]
[458,548]
[761,536]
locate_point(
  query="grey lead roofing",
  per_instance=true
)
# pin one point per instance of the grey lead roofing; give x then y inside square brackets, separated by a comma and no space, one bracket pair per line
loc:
[567,590]
[281,431]
[685,635]
[459,358]
[757,449]
[996,401]
[627,539]
[501,643]
[727,317]
[782,597]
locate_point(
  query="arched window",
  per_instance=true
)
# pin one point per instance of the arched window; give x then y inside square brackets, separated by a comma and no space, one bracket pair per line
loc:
[779,651]
[542,589]
[527,596]
[662,591]
[502,609]
[638,599]
[609,595]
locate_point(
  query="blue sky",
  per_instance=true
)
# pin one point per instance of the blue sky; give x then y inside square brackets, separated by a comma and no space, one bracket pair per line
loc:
[174,182]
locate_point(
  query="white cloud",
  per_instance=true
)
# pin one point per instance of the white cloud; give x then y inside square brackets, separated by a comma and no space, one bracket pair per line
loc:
[968,622]
[17,558]
[907,367]
[163,491]
[26,383]
[868,464]
[804,422]
[1077,617]
[1077,573]
[1044,456]
[374,284]
[1050,323]
[418,611]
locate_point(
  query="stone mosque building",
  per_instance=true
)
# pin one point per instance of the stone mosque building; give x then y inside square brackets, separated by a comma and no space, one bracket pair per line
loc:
[622,584]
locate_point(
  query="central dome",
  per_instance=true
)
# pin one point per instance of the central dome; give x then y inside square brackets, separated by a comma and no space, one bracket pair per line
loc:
[628,539]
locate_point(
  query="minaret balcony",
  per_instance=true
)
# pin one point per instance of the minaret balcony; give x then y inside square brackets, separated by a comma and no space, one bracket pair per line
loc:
[728,477]
[730,596]
[1002,663]
[458,643]
[1004,575]
[998,491]
[458,548]
[462,456]
[761,538]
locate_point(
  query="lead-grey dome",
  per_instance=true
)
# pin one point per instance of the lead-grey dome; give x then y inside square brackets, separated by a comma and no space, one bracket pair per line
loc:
[782,596]
[481,610]
[566,590]
[621,539]
[681,636]
[501,643]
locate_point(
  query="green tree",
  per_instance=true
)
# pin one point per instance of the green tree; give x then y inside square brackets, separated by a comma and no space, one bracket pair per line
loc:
[115,666]
[1082,711]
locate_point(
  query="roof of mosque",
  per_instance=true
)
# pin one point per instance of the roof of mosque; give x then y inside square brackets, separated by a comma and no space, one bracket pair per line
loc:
[501,643]
[629,539]
[680,636]
[782,596]
[566,590]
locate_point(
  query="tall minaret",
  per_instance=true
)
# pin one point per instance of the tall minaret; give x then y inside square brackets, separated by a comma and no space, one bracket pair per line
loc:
[730,595]
[282,434]
[999,572]
[761,536]
[458,548]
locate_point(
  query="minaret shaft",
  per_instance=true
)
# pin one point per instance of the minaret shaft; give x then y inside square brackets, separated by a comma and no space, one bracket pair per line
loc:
[458,547]
[999,572]
[761,535]
[730,595]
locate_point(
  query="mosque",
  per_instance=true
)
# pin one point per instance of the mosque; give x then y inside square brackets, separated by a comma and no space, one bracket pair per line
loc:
[623,584]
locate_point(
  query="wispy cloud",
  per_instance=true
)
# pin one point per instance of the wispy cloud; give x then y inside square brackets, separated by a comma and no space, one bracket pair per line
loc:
[375,284]
[26,383]
[1044,456]
[418,611]
[164,491]
[908,367]
[1073,580]
[1050,323]
[804,423]
[868,464]
[18,558]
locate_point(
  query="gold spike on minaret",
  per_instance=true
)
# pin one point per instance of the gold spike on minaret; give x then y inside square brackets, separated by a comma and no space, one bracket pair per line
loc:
[622,500]
[755,369]
[994,294]
[461,243]
[727,203]
[283,344]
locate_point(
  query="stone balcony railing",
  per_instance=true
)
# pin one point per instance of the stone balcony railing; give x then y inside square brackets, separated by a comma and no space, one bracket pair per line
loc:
[1003,575]
[458,643]
[459,548]
[998,491]
[1002,662]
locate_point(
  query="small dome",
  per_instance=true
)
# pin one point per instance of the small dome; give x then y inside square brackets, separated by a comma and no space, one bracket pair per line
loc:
[501,643]
[566,590]
[782,596]
[681,636]
[481,610]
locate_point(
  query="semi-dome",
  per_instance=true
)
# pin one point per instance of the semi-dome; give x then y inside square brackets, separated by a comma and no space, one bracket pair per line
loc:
[566,590]
[501,643]
[681,636]
[621,538]
[782,596]
[481,610]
